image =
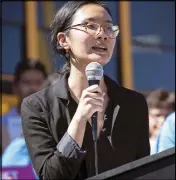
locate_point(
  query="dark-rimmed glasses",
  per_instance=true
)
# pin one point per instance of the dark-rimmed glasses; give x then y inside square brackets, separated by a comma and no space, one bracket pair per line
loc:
[94,29]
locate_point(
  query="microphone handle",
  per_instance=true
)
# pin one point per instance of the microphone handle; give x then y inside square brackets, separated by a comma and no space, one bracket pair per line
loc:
[93,82]
[95,115]
[94,125]
[94,129]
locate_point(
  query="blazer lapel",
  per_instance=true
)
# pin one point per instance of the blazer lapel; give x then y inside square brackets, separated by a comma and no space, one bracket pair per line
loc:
[114,118]
[115,113]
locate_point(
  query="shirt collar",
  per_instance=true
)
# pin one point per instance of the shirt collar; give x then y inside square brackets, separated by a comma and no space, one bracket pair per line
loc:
[61,86]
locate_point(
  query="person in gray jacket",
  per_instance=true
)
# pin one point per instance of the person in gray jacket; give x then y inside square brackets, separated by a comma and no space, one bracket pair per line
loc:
[56,120]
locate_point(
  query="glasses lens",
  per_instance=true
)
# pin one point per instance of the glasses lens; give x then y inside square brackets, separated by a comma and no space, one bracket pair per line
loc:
[92,28]
[112,31]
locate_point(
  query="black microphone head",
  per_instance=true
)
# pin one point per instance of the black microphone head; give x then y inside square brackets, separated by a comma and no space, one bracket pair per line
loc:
[94,71]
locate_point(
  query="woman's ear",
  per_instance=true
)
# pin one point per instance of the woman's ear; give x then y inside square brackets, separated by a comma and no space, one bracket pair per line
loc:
[62,40]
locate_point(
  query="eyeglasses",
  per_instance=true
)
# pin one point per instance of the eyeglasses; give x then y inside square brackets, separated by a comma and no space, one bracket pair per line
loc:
[94,29]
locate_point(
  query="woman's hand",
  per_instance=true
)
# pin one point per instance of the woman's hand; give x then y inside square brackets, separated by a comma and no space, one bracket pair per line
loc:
[91,101]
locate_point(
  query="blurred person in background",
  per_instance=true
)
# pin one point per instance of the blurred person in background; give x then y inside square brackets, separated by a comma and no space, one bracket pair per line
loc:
[16,153]
[166,136]
[160,103]
[28,78]
[57,120]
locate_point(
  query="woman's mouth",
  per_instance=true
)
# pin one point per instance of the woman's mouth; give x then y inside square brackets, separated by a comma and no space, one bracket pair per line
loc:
[99,49]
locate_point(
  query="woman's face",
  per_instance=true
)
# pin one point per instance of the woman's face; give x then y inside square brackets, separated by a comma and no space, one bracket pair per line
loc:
[156,119]
[85,47]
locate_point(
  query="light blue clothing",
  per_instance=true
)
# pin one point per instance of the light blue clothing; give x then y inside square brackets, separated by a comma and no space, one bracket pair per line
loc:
[153,146]
[166,136]
[12,120]
[16,154]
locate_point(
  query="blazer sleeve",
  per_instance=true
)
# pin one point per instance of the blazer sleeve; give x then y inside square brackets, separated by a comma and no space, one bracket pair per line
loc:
[143,145]
[50,160]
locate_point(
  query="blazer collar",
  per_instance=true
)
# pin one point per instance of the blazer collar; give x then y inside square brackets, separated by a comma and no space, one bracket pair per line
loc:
[60,88]
[113,89]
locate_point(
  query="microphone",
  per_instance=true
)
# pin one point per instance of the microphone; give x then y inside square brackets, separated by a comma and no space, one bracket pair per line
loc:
[94,73]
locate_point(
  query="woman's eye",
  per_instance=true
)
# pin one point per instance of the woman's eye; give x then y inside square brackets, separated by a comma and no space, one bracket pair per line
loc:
[109,28]
[92,26]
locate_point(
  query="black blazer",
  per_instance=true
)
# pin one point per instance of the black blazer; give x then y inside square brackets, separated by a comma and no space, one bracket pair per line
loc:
[45,119]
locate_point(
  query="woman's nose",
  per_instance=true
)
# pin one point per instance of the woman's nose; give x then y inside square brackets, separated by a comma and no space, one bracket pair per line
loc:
[102,34]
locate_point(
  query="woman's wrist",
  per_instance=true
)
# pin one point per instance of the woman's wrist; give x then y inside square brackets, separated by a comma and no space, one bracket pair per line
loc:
[80,121]
[76,130]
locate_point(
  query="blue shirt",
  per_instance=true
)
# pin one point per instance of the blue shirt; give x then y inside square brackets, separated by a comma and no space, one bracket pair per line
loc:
[166,136]
[12,120]
[16,154]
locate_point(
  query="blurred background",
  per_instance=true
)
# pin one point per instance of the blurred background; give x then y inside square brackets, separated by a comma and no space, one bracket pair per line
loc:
[143,60]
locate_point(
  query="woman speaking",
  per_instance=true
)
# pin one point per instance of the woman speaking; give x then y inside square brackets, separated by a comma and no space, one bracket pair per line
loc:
[57,120]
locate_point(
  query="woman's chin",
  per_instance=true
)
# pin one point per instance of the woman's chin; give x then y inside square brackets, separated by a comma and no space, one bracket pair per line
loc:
[100,60]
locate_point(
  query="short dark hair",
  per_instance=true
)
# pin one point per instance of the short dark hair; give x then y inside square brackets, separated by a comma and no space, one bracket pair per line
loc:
[64,18]
[161,98]
[25,65]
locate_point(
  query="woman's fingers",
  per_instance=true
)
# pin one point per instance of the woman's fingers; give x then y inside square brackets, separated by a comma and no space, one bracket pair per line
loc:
[94,88]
